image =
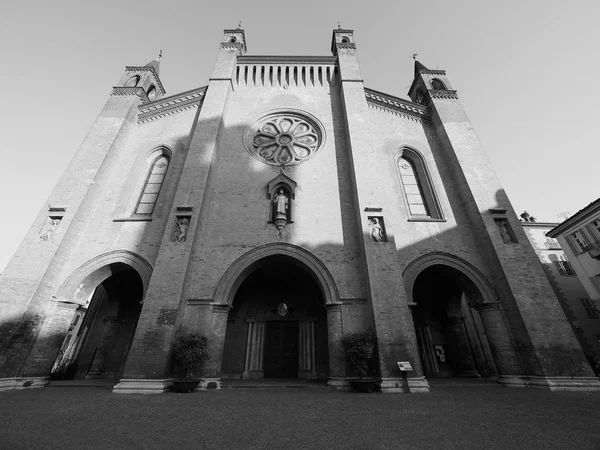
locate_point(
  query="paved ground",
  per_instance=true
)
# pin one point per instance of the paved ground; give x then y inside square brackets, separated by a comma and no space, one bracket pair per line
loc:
[455,415]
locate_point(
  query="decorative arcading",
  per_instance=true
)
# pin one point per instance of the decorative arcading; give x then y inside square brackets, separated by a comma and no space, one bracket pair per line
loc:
[151,70]
[346,45]
[233,45]
[286,72]
[396,106]
[436,93]
[432,72]
[122,90]
[167,106]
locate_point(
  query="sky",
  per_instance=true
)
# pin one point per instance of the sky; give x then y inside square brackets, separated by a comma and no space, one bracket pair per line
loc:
[525,71]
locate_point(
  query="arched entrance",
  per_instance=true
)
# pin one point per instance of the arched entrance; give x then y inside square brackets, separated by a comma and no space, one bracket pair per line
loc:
[108,303]
[450,333]
[277,325]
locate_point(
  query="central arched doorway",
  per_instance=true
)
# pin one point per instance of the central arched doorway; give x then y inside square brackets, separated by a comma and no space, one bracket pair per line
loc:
[100,334]
[450,333]
[277,326]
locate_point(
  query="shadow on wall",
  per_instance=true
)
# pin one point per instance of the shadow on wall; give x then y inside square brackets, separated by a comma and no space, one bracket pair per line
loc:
[30,346]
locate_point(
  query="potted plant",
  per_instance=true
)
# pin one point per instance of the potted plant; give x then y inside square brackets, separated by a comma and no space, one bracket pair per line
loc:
[359,348]
[190,351]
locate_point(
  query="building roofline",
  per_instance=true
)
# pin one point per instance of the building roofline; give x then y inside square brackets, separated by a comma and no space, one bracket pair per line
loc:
[287,59]
[580,215]
[538,224]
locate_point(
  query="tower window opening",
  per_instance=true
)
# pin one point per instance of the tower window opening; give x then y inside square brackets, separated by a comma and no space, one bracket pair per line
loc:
[151,93]
[345,40]
[232,39]
[437,85]
[133,81]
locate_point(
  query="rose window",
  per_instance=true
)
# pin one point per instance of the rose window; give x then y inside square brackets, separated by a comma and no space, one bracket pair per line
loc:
[284,138]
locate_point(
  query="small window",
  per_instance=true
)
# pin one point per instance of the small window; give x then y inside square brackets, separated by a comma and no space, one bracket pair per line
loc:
[133,81]
[552,244]
[565,268]
[151,93]
[590,308]
[437,85]
[596,225]
[232,39]
[345,40]
[147,200]
[420,197]
[579,240]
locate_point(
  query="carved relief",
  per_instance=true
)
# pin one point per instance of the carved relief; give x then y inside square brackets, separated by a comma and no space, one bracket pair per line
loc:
[506,233]
[284,138]
[377,229]
[181,229]
[49,228]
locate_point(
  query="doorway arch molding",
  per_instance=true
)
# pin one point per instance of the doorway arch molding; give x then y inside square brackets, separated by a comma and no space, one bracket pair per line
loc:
[97,270]
[250,261]
[413,270]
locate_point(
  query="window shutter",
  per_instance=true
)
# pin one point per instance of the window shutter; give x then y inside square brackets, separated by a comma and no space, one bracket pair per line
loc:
[585,236]
[589,228]
[572,244]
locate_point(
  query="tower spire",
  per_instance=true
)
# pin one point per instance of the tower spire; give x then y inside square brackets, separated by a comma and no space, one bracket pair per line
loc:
[155,63]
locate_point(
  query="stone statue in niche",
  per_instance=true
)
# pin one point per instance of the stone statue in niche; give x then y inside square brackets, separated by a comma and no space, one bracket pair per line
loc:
[282,203]
[50,227]
[183,224]
[377,230]
[505,232]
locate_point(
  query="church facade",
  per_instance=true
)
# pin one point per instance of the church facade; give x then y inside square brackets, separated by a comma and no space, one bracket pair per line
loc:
[275,210]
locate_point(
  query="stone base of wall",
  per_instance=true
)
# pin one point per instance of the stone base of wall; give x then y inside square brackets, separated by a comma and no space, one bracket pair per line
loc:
[142,386]
[564,383]
[10,384]
[410,385]
[339,384]
[512,380]
[551,383]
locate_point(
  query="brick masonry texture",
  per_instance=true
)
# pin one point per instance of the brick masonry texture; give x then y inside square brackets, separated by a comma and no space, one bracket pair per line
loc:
[223,190]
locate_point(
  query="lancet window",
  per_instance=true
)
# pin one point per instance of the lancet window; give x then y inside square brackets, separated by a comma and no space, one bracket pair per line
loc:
[149,195]
[418,191]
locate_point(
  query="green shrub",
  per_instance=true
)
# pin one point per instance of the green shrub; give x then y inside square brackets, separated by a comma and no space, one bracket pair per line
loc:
[359,348]
[190,351]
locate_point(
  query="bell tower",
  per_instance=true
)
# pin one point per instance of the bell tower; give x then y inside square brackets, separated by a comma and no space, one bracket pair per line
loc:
[143,81]
[546,345]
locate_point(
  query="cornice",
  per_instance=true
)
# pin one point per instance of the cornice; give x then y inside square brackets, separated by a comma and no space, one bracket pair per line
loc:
[124,91]
[168,106]
[396,105]
[437,93]
[272,59]
[432,72]
[148,69]
[233,45]
[538,224]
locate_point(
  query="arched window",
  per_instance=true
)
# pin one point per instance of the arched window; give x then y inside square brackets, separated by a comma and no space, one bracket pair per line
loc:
[133,81]
[437,85]
[420,97]
[145,205]
[151,93]
[421,201]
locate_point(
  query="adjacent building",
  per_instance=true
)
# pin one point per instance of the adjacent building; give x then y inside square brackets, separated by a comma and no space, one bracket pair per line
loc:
[274,210]
[574,299]
[579,236]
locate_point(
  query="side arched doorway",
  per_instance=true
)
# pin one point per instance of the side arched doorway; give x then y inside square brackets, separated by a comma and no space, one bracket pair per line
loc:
[450,333]
[277,324]
[108,304]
